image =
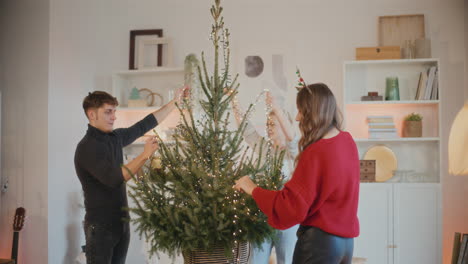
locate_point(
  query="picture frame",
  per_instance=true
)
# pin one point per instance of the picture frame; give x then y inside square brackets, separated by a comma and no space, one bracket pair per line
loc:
[149,52]
[134,37]
[395,30]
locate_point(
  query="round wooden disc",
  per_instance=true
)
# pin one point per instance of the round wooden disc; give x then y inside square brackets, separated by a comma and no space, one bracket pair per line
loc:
[385,162]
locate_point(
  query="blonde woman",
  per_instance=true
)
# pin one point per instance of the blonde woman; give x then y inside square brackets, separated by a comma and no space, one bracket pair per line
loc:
[282,135]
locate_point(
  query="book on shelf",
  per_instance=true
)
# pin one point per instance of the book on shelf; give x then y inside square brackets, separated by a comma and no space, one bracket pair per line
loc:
[382,135]
[430,82]
[463,255]
[376,133]
[382,130]
[380,119]
[456,248]
[427,84]
[381,125]
[421,89]
[416,96]
[435,87]
[418,88]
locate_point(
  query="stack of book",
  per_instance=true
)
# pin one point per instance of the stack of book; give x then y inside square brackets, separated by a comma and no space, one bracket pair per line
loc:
[381,127]
[460,249]
[428,85]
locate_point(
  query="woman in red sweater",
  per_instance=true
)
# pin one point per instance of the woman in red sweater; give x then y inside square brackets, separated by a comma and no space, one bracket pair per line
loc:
[322,195]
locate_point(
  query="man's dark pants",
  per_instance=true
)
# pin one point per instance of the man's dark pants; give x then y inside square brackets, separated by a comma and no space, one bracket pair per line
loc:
[106,243]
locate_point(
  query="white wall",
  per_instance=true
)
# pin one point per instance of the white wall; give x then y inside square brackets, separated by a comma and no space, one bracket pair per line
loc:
[88,41]
[466,49]
[24,58]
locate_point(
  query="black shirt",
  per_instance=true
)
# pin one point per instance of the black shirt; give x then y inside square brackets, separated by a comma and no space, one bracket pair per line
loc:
[98,160]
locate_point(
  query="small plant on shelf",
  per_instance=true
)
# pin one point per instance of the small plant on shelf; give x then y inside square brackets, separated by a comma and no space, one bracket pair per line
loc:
[413,117]
[412,125]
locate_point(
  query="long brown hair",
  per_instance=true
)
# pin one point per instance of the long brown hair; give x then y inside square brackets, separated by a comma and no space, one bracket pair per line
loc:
[317,105]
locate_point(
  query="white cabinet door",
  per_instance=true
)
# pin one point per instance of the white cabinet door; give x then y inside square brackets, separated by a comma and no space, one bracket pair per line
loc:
[416,224]
[375,219]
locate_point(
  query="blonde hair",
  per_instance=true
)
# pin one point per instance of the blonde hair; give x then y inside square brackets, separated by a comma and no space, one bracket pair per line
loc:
[317,105]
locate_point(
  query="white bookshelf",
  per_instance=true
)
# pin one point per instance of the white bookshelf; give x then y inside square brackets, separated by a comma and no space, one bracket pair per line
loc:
[160,80]
[399,218]
[138,109]
[410,102]
[395,62]
[155,71]
[421,155]
[383,140]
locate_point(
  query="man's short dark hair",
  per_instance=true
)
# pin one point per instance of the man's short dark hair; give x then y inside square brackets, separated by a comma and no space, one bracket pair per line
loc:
[97,99]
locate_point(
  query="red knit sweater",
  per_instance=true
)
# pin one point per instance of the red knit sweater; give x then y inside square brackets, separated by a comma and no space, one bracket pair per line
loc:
[323,191]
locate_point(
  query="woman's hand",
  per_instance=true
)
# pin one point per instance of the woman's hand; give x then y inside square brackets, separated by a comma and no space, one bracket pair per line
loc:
[269,99]
[228,91]
[245,184]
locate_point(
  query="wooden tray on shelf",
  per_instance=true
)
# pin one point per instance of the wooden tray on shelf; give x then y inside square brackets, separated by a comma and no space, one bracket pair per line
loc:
[394,30]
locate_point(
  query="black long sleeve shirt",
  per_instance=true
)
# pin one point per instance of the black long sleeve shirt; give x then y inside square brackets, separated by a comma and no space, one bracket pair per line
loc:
[98,160]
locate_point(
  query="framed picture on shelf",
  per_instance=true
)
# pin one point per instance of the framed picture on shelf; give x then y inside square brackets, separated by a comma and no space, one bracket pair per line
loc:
[395,30]
[149,52]
[145,35]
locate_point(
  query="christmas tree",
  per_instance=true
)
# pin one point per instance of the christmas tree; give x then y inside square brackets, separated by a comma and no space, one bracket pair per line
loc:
[187,202]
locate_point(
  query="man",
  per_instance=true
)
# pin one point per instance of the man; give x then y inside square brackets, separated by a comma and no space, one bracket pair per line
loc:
[98,164]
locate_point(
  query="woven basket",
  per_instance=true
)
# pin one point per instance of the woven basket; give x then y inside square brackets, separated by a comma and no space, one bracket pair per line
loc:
[240,255]
[412,129]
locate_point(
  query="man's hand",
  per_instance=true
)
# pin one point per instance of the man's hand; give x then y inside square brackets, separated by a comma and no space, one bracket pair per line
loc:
[181,94]
[245,184]
[132,168]
[165,110]
[151,146]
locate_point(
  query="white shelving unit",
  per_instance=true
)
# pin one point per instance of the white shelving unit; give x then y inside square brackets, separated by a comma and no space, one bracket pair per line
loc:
[421,155]
[138,109]
[396,139]
[400,221]
[150,71]
[411,102]
[160,80]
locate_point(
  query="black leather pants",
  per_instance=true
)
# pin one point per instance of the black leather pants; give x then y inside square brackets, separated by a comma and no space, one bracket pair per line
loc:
[106,243]
[315,246]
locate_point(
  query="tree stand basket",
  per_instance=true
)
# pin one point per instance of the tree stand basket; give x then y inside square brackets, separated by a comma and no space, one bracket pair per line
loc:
[217,256]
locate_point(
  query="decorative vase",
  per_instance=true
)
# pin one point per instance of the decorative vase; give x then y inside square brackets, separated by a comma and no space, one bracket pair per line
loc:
[392,91]
[423,48]
[407,51]
[217,255]
[412,129]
